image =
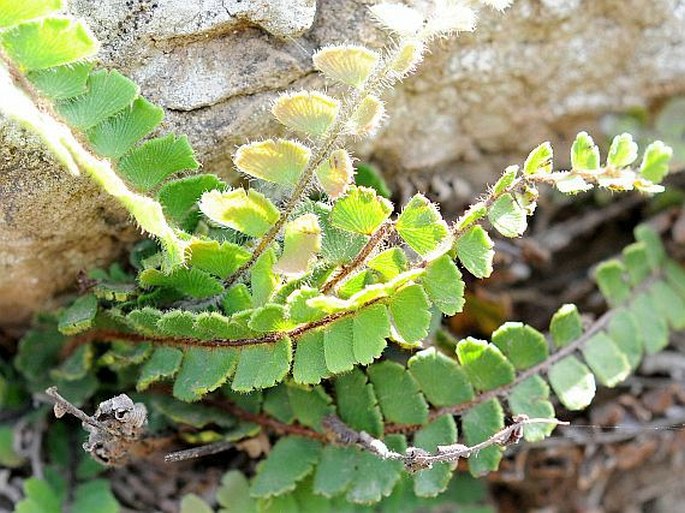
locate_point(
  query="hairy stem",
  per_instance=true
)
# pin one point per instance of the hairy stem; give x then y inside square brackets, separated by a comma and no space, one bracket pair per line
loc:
[20,101]
[267,338]
[542,367]
[333,137]
[293,334]
[273,425]
[375,239]
[457,230]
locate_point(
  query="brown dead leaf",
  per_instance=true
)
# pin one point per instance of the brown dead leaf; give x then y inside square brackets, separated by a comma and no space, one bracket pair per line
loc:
[608,414]
[658,400]
[632,454]
[256,446]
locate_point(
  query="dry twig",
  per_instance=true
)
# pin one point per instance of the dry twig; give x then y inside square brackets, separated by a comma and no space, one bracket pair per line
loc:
[115,430]
[198,452]
[415,458]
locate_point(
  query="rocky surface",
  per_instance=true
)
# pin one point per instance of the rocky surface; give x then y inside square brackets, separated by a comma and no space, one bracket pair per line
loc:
[52,225]
[540,71]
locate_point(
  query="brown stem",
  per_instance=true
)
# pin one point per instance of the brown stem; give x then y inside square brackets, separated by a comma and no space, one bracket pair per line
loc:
[267,338]
[346,270]
[414,458]
[487,202]
[334,136]
[273,425]
[540,368]
[338,432]
[278,427]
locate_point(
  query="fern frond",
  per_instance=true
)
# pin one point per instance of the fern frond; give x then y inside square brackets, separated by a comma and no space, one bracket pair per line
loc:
[100,107]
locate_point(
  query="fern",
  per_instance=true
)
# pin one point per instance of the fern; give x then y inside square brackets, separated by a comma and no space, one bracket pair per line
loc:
[45,497]
[284,317]
[412,405]
[464,494]
[287,307]
[101,116]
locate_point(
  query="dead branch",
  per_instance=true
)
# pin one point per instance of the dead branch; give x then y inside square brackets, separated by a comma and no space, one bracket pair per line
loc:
[415,458]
